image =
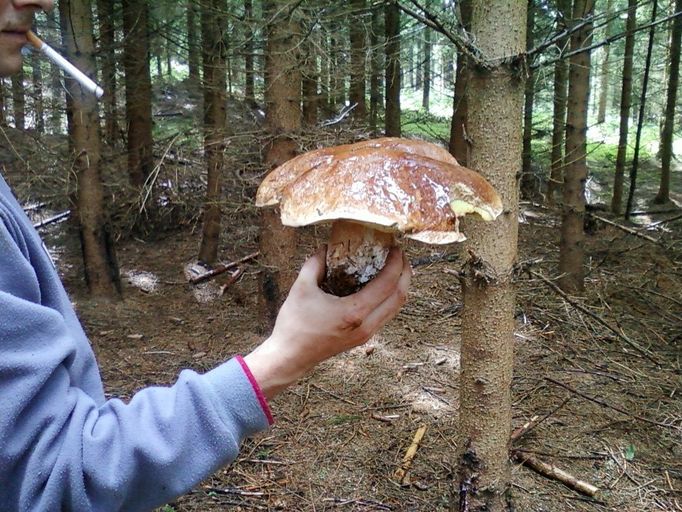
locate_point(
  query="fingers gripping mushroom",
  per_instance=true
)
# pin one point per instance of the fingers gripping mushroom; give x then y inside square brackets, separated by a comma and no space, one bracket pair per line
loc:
[371,191]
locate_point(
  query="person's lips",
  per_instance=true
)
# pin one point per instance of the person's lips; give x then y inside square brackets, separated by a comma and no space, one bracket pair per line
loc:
[17,35]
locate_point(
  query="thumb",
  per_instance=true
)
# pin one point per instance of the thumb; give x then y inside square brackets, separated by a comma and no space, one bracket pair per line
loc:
[312,271]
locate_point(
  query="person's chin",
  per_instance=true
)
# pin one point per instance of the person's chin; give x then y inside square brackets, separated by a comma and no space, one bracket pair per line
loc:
[10,64]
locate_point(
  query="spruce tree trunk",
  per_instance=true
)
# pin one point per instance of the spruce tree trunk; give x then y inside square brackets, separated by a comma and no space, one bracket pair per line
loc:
[604,71]
[527,178]
[375,73]
[625,104]
[3,114]
[358,59]
[495,110]
[38,104]
[249,69]
[107,45]
[19,100]
[309,83]
[642,114]
[459,146]
[426,70]
[101,269]
[214,72]
[556,176]
[571,249]
[663,195]
[193,46]
[282,117]
[392,83]
[138,87]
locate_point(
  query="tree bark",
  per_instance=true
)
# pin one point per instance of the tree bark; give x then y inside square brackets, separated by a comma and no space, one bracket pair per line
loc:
[193,46]
[606,61]
[19,100]
[642,113]
[38,104]
[283,116]
[249,69]
[392,82]
[358,59]
[107,45]
[663,195]
[375,98]
[459,145]
[3,113]
[556,176]
[138,87]
[426,69]
[99,258]
[571,250]
[625,104]
[527,178]
[213,52]
[495,110]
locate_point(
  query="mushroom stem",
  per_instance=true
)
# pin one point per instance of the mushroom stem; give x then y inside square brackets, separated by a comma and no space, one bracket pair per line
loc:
[355,254]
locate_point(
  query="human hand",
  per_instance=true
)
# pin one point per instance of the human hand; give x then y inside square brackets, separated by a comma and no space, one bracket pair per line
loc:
[313,326]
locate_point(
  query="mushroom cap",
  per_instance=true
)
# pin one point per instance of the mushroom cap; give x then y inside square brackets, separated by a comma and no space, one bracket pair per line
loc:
[392,184]
[270,190]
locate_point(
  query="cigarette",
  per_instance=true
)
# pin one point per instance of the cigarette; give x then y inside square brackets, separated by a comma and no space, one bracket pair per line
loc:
[60,61]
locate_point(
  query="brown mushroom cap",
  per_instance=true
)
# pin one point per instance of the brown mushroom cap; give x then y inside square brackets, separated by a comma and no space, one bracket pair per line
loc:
[390,184]
[291,170]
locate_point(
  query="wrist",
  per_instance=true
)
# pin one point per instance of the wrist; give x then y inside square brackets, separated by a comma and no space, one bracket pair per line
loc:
[271,369]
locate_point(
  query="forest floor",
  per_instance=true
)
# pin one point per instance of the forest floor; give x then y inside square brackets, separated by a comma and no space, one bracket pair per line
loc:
[601,371]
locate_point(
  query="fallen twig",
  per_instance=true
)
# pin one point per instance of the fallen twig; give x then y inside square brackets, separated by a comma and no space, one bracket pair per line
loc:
[623,228]
[645,352]
[401,472]
[603,403]
[53,219]
[220,269]
[554,473]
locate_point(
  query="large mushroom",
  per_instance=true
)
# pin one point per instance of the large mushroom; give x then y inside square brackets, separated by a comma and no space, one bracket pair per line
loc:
[371,191]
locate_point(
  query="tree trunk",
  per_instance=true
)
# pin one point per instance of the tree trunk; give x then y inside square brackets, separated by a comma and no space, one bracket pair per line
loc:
[642,113]
[3,113]
[101,269]
[392,87]
[527,179]
[283,116]
[107,45]
[606,60]
[214,73]
[309,85]
[358,59]
[19,100]
[556,176]
[426,69]
[571,249]
[138,87]
[38,104]
[193,47]
[495,110]
[625,104]
[663,195]
[459,145]
[249,69]
[375,74]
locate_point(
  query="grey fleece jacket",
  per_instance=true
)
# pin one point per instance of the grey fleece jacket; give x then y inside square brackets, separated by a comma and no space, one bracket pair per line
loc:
[62,445]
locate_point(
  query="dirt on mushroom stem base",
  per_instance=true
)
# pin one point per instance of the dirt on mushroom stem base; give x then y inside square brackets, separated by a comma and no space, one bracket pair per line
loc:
[355,254]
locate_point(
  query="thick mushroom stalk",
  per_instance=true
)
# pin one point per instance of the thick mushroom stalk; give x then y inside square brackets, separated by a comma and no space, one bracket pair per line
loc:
[355,254]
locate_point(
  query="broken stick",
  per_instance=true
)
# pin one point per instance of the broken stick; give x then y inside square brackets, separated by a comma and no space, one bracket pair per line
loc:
[220,269]
[401,472]
[554,473]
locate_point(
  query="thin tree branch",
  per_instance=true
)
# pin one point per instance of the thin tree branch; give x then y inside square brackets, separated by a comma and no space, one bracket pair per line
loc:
[606,41]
